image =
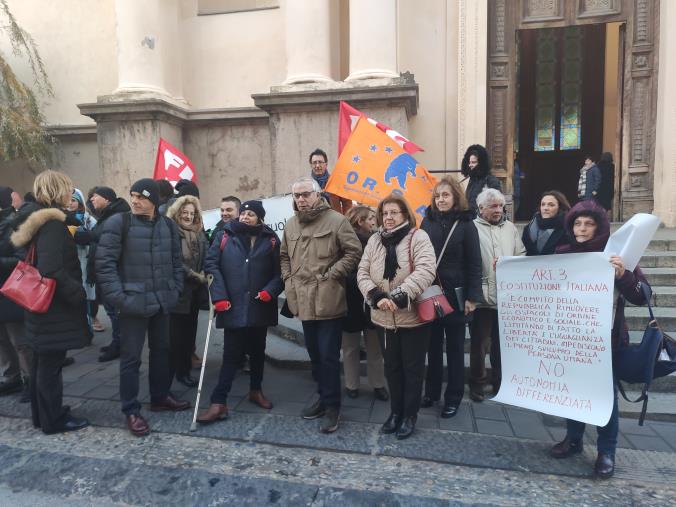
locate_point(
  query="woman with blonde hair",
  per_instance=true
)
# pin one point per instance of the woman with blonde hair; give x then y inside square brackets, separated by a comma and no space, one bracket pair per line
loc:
[397,266]
[187,213]
[449,223]
[357,322]
[64,326]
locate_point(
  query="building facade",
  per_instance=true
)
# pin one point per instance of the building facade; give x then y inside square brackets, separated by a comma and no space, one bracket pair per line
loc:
[248,88]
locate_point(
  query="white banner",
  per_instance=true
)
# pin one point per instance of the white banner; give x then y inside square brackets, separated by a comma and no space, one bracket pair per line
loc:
[277,211]
[555,316]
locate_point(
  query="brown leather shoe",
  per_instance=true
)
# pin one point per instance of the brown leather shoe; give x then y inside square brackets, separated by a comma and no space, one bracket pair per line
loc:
[257,398]
[566,448]
[215,412]
[137,425]
[169,404]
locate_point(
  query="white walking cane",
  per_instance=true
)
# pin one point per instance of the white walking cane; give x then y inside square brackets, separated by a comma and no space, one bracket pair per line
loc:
[193,425]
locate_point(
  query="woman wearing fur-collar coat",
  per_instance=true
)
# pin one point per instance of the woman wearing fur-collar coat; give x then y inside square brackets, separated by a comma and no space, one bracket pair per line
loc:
[64,326]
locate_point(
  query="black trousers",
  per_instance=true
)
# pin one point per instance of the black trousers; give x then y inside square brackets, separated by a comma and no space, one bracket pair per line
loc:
[235,342]
[182,335]
[485,335]
[455,361]
[47,391]
[404,350]
[132,338]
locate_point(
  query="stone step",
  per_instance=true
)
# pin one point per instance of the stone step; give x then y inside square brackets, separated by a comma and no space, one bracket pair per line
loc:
[656,259]
[662,297]
[661,276]
[638,317]
[664,245]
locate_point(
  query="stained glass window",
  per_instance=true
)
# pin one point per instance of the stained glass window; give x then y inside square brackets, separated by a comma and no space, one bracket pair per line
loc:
[545,91]
[571,90]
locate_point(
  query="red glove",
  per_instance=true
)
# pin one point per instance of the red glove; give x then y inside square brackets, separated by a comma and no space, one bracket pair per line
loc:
[222,306]
[264,296]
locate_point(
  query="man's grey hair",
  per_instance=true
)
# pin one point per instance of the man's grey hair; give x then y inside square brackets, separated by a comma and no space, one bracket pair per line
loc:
[488,196]
[309,181]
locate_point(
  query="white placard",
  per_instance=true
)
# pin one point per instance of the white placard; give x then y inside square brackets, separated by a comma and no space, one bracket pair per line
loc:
[555,315]
[631,240]
[278,210]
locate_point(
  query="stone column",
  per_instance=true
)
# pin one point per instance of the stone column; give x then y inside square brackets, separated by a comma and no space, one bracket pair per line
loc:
[665,148]
[148,54]
[373,39]
[308,41]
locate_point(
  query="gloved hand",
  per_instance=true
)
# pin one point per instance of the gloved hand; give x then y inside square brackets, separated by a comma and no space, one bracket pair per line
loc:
[264,296]
[399,297]
[222,306]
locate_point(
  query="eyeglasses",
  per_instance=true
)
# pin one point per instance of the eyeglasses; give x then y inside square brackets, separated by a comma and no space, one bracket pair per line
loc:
[304,195]
[391,214]
[317,162]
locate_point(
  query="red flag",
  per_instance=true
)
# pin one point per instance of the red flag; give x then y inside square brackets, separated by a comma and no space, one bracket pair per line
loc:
[347,121]
[172,164]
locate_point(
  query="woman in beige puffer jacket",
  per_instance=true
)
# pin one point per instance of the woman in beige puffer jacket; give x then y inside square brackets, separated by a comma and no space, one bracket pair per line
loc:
[397,266]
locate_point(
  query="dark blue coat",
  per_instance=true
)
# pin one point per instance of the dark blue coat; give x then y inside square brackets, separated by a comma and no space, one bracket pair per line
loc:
[142,274]
[240,272]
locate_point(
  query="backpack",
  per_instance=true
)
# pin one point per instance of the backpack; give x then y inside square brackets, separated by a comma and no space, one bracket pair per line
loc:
[641,363]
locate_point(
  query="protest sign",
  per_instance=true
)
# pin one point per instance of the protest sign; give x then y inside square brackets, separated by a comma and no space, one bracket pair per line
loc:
[278,210]
[555,316]
[372,166]
[631,240]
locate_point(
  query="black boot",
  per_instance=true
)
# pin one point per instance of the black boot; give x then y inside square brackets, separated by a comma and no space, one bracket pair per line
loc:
[406,428]
[391,425]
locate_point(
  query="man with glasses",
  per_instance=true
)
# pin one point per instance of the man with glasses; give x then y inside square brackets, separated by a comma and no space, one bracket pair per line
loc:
[320,173]
[497,237]
[319,249]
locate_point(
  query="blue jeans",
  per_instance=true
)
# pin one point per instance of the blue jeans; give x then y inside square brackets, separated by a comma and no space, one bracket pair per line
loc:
[323,339]
[606,441]
[115,323]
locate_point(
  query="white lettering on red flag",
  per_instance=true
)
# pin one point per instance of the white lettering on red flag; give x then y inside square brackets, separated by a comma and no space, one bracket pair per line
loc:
[173,165]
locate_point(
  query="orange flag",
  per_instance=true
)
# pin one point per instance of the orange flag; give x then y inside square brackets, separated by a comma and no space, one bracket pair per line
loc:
[372,166]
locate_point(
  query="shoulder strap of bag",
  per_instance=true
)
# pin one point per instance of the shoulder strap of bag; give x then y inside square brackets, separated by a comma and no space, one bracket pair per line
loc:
[411,265]
[643,397]
[30,255]
[446,242]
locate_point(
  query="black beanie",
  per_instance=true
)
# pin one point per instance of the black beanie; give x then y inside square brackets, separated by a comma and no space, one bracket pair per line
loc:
[255,206]
[186,187]
[148,188]
[106,192]
[5,197]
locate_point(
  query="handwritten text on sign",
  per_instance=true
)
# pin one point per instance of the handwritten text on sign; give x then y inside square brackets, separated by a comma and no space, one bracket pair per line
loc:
[555,315]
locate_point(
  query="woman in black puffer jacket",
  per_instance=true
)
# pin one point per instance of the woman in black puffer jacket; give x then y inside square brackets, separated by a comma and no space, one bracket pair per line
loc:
[476,166]
[545,231]
[64,326]
[459,268]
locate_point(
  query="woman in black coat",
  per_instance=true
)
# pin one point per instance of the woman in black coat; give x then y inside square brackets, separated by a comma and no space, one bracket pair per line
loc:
[64,326]
[607,188]
[459,271]
[476,166]
[244,260]
[546,231]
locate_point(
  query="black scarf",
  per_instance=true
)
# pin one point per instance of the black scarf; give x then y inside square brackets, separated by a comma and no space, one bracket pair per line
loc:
[541,229]
[390,240]
[242,228]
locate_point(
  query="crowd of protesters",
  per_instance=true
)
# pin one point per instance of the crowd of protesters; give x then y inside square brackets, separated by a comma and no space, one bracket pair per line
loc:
[349,273]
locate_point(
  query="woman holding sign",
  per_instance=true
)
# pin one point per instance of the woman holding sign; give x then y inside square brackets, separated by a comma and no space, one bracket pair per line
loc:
[588,231]
[397,266]
[545,231]
[450,225]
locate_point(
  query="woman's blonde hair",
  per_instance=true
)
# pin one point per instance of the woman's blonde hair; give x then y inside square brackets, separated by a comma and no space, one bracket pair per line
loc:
[50,187]
[459,199]
[403,207]
[357,214]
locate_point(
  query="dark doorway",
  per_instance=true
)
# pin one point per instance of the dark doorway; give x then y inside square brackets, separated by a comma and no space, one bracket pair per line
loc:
[560,99]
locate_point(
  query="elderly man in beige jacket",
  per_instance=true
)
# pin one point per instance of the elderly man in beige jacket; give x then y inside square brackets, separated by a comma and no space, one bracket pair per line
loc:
[497,237]
[319,249]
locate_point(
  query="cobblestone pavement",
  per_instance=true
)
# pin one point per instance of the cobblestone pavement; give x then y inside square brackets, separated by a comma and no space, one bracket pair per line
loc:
[490,454]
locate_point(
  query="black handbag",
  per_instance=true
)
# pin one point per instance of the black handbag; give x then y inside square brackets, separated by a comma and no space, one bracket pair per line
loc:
[640,363]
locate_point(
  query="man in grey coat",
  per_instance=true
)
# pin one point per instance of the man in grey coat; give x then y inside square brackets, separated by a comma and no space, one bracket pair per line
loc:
[140,273]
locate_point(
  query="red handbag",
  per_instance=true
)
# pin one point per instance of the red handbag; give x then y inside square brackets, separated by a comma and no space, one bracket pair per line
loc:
[432,303]
[27,287]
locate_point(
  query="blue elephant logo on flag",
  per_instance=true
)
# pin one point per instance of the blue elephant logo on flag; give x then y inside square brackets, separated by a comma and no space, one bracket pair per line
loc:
[400,167]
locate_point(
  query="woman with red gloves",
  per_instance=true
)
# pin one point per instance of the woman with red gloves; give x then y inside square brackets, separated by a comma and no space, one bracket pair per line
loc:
[244,260]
